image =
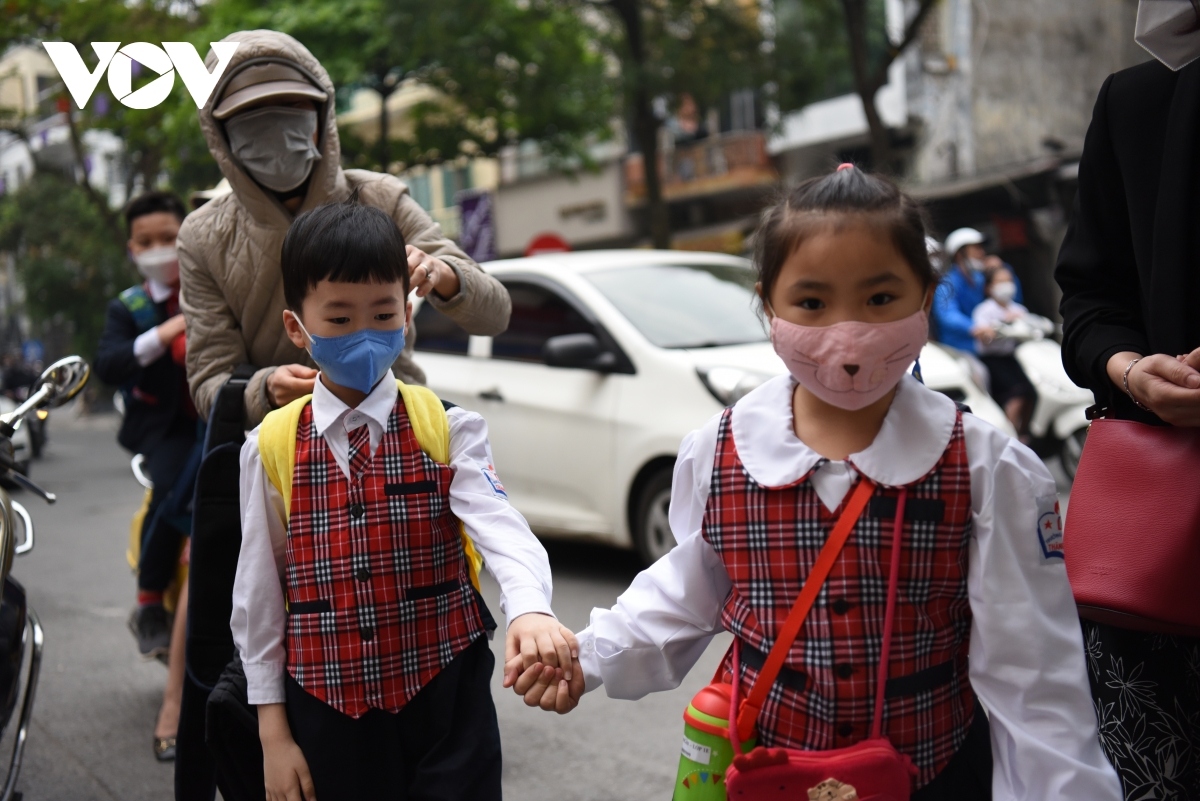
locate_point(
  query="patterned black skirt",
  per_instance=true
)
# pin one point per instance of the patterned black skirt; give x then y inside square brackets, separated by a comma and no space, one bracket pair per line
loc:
[1146,688]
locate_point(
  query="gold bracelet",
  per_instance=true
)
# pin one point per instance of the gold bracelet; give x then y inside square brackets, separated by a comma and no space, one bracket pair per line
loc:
[1128,391]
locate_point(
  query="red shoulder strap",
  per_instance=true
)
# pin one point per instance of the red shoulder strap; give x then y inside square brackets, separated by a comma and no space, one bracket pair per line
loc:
[748,715]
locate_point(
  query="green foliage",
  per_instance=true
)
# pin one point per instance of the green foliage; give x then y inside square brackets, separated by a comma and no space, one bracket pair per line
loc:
[67,258]
[812,49]
[704,48]
[507,70]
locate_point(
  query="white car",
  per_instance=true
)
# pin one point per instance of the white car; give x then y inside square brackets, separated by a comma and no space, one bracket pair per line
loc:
[610,358]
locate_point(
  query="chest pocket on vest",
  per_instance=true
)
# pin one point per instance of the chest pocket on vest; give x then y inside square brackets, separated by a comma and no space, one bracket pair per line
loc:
[927,510]
[410,488]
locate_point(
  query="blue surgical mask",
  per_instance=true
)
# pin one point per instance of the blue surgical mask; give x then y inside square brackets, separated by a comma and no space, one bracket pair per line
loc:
[358,360]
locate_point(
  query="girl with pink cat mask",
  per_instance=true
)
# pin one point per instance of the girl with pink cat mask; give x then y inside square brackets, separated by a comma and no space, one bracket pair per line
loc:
[980,612]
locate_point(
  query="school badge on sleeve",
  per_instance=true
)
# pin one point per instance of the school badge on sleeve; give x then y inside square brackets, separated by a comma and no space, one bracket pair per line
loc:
[1050,527]
[489,473]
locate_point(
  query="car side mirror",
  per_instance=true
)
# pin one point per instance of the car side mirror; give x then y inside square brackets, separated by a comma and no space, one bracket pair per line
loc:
[581,351]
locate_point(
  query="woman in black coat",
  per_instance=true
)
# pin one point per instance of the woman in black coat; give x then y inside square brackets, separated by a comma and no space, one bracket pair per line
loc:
[1130,274]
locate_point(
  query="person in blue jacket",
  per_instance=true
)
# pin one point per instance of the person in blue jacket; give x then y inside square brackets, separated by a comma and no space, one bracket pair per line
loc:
[961,290]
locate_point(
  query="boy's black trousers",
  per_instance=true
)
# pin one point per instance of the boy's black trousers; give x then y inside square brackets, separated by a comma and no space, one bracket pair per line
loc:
[444,745]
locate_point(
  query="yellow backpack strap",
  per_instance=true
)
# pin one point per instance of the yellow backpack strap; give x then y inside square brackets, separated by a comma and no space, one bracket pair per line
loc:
[277,446]
[428,418]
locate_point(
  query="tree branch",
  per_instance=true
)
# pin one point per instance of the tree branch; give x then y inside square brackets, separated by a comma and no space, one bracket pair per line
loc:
[911,30]
[101,203]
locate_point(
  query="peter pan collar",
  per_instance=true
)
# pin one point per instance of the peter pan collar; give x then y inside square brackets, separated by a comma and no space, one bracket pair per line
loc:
[328,409]
[915,433]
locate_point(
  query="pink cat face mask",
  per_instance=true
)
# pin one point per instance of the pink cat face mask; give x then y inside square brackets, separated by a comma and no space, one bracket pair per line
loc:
[850,365]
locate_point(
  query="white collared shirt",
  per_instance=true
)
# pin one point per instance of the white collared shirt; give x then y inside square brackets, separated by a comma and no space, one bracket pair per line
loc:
[511,552]
[1026,648]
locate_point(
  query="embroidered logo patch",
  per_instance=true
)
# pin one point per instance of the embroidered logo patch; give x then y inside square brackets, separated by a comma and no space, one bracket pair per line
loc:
[1050,528]
[489,473]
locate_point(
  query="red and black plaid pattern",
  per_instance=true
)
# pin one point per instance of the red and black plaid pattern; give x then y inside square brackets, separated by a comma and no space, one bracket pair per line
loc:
[379,594]
[770,538]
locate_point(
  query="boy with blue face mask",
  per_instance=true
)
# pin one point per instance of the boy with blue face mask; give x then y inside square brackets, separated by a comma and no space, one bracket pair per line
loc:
[367,510]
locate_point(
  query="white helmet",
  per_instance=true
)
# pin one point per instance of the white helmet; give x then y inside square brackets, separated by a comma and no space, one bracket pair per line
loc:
[959,239]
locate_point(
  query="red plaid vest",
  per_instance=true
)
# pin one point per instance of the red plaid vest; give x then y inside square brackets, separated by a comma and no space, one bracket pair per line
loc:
[379,593]
[769,539]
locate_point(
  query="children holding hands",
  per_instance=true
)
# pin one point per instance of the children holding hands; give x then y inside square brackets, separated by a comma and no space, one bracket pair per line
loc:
[981,616]
[367,510]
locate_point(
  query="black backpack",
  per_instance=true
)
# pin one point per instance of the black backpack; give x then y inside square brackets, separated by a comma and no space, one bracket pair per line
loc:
[216,542]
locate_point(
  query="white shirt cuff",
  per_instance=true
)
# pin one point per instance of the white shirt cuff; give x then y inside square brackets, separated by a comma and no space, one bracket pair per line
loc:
[523,601]
[264,683]
[148,348]
[589,660]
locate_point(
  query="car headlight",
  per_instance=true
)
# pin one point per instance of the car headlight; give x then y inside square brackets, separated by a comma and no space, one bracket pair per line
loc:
[729,384]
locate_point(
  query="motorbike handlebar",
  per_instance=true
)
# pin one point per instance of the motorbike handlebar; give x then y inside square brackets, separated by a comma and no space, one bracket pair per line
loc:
[10,422]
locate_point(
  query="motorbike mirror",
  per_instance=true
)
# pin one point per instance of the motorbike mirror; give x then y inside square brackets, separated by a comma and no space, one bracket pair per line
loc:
[63,380]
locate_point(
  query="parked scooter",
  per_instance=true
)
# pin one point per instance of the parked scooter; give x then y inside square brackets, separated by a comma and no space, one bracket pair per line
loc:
[21,636]
[1059,424]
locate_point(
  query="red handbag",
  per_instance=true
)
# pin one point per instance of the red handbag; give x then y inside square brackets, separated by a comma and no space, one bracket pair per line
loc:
[1132,536]
[871,770]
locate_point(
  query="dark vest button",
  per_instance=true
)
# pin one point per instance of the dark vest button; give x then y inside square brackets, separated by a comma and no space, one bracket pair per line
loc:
[367,633]
[845,730]
[845,671]
[357,510]
[841,606]
[362,574]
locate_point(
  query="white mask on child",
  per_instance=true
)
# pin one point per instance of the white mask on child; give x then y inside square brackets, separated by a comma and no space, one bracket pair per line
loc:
[159,264]
[1004,292]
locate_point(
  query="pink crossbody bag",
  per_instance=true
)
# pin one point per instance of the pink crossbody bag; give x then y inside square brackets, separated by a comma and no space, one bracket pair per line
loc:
[872,770]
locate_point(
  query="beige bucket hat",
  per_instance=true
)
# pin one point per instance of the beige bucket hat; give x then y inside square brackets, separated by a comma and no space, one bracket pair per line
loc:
[258,82]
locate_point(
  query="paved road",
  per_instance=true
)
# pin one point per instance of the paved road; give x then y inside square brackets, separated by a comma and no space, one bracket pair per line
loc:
[97,701]
[91,735]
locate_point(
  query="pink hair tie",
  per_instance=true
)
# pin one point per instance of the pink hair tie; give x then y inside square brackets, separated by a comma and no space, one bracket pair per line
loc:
[845,166]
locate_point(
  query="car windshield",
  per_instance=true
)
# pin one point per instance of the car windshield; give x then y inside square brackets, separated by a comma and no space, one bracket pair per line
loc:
[685,305]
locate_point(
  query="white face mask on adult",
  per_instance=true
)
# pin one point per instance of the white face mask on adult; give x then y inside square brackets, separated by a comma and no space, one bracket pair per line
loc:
[1169,30]
[275,145]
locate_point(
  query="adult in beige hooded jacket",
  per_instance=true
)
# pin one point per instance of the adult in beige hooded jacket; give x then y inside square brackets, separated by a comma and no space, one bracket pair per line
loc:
[229,251]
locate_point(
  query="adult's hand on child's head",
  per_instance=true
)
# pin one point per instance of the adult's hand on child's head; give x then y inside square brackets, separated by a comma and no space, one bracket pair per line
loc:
[547,688]
[290,381]
[537,638]
[430,274]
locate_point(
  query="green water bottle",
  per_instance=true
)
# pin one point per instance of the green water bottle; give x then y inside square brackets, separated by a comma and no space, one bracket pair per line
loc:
[707,752]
